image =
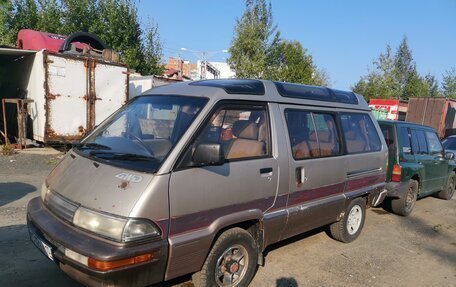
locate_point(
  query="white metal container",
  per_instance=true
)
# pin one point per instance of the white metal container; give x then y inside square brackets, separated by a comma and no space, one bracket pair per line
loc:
[71,94]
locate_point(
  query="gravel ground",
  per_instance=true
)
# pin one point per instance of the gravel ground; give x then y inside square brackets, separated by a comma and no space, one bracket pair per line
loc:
[419,250]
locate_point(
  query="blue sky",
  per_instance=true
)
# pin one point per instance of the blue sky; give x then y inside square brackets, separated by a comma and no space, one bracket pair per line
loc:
[342,36]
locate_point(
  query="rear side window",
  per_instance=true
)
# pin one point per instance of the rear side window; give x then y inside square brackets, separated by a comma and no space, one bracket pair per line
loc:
[449,143]
[435,147]
[387,131]
[404,138]
[327,136]
[312,135]
[360,133]
[419,144]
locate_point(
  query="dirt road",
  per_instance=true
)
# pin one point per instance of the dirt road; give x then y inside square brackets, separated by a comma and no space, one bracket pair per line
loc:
[419,250]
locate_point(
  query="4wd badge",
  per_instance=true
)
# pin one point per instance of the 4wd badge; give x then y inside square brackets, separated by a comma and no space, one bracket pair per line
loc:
[129,177]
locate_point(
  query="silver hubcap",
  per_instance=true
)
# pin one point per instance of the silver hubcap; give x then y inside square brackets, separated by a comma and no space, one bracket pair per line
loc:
[410,198]
[451,188]
[354,219]
[231,266]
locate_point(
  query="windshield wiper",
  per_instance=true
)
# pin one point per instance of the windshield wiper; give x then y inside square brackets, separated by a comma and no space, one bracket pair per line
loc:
[95,146]
[122,156]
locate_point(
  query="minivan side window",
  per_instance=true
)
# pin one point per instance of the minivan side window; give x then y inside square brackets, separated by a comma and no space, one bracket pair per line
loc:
[360,134]
[435,147]
[312,134]
[419,144]
[242,132]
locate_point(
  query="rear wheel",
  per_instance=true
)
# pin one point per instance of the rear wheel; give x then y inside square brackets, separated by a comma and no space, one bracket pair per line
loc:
[350,226]
[448,191]
[232,261]
[403,206]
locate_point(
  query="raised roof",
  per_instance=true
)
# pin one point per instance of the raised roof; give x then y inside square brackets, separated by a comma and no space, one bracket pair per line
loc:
[315,93]
[234,86]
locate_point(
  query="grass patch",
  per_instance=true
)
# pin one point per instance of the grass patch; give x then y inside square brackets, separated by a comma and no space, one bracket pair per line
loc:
[7,150]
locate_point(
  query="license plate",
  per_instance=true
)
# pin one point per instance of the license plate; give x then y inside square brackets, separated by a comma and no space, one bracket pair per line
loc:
[45,248]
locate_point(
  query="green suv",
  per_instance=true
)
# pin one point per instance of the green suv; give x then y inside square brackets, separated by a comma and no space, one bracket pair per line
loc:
[417,165]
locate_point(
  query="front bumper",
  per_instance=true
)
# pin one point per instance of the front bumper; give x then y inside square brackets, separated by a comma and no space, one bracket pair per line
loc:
[396,189]
[56,235]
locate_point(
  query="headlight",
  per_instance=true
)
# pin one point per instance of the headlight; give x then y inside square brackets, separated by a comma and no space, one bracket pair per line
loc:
[116,228]
[44,190]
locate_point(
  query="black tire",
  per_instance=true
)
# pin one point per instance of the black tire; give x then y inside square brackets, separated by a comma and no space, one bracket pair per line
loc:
[349,227]
[448,191]
[403,206]
[222,263]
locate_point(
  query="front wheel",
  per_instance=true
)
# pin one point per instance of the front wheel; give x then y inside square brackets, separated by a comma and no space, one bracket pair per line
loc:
[448,191]
[232,261]
[349,227]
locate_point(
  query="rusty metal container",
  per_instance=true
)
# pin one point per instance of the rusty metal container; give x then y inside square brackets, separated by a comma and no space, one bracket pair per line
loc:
[438,113]
[71,93]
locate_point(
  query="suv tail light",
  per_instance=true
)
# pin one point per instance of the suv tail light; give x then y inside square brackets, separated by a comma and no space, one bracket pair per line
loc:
[397,172]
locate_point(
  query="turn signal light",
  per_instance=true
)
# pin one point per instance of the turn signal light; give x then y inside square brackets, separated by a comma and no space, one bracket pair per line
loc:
[109,265]
[397,172]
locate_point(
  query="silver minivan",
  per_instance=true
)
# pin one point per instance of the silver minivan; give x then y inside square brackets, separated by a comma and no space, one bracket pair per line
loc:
[200,177]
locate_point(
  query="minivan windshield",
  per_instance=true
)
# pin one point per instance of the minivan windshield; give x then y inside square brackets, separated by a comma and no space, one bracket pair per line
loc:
[140,135]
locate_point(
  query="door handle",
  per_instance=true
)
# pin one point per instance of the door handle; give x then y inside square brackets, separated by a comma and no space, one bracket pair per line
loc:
[300,175]
[266,173]
[266,170]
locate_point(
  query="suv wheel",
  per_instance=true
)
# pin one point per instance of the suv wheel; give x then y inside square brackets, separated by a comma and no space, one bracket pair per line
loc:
[231,262]
[448,191]
[403,206]
[349,227]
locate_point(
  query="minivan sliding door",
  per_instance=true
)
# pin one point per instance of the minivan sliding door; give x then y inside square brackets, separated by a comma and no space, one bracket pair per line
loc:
[318,168]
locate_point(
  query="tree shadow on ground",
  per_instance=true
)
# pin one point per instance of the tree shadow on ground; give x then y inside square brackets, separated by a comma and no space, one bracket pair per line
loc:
[12,191]
[425,230]
[24,264]
[296,238]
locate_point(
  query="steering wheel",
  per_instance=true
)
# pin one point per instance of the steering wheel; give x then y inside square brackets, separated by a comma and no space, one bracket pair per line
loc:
[140,141]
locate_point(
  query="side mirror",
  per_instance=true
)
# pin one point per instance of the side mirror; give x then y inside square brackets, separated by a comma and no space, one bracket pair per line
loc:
[449,155]
[208,154]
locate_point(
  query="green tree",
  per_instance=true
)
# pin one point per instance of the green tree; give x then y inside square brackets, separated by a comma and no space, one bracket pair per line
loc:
[405,69]
[396,77]
[153,51]
[252,40]
[320,77]
[290,63]
[75,10]
[257,51]
[449,83]
[16,15]
[415,86]
[6,19]
[380,82]
[433,85]
[50,15]
[119,28]
[116,22]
